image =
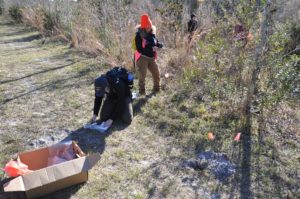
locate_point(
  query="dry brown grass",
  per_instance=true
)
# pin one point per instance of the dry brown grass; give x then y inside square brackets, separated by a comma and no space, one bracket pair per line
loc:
[104,27]
[34,17]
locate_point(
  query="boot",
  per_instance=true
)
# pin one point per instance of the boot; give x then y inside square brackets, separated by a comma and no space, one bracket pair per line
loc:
[156,89]
[142,91]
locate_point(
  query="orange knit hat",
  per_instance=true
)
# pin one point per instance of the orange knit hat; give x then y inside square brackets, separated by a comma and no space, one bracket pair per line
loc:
[145,21]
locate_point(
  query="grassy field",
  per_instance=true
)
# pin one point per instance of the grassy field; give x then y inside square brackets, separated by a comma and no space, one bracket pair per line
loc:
[47,95]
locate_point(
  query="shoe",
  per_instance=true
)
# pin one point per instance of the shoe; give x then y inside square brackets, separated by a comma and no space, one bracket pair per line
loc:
[142,91]
[156,89]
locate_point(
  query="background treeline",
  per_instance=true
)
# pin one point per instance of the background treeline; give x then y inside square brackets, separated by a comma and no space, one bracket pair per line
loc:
[100,26]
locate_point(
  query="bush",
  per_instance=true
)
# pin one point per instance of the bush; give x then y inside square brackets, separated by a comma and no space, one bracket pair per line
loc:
[294,38]
[34,17]
[49,21]
[16,13]
[1,7]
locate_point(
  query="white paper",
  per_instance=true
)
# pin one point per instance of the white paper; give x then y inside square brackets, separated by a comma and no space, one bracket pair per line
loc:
[96,127]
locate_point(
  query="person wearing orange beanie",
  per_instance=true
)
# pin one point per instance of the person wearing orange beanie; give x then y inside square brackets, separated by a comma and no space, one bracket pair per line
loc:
[145,54]
[145,22]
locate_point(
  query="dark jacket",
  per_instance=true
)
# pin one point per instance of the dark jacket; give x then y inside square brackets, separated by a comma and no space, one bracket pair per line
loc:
[119,91]
[192,25]
[151,42]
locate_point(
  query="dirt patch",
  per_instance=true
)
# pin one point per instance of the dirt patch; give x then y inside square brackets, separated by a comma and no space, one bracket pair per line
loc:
[218,163]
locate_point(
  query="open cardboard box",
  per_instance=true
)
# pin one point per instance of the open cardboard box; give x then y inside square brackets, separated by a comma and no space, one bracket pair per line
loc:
[45,179]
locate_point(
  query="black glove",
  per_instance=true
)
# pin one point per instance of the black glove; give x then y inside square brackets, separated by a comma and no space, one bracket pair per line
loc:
[159,45]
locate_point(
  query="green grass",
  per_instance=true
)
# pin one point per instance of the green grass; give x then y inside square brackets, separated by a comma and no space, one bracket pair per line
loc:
[273,162]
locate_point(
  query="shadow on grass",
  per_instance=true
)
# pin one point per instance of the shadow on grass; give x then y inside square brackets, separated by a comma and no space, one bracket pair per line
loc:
[245,170]
[23,39]
[93,141]
[12,195]
[140,102]
[241,154]
[62,56]
[15,33]
[20,49]
[50,86]
[45,86]
[36,73]
[7,23]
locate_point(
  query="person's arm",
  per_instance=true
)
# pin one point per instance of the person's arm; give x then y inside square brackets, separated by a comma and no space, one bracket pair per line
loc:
[196,25]
[97,105]
[189,26]
[159,44]
[138,43]
[153,41]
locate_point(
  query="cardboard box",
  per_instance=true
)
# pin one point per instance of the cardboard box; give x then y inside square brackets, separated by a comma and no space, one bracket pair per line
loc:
[45,179]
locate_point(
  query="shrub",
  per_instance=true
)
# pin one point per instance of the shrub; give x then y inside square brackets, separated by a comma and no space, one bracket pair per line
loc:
[294,38]
[49,21]
[16,13]
[1,7]
[34,17]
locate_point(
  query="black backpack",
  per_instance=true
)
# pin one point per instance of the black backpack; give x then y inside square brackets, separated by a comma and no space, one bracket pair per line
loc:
[120,74]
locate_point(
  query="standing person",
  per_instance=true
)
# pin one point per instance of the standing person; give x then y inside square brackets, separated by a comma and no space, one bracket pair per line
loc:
[114,88]
[192,26]
[146,54]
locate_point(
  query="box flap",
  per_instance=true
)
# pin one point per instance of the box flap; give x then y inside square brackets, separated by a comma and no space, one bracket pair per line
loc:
[56,172]
[77,149]
[14,185]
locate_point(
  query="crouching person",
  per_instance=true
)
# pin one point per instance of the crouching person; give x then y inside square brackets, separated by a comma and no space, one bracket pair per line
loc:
[113,92]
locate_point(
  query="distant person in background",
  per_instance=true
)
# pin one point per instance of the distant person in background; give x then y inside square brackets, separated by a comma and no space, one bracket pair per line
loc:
[146,53]
[192,27]
[242,35]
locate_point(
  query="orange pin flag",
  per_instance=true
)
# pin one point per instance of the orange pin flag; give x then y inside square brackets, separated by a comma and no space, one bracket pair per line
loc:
[237,137]
[210,136]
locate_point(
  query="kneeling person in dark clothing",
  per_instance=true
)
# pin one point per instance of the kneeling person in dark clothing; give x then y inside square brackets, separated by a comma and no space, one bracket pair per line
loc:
[114,90]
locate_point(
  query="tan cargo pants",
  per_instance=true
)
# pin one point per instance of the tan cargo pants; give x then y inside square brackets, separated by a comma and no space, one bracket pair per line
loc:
[143,64]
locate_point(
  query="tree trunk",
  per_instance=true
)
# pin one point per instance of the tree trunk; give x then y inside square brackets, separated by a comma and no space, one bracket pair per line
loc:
[259,59]
[192,5]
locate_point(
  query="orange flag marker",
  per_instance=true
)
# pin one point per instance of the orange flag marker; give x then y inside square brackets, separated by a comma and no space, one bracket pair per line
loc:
[237,137]
[210,136]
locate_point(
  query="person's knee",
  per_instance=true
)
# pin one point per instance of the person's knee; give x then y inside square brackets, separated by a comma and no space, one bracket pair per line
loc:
[127,119]
[128,116]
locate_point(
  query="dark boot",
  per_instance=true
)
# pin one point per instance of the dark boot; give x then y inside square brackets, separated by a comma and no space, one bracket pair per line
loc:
[156,89]
[142,91]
